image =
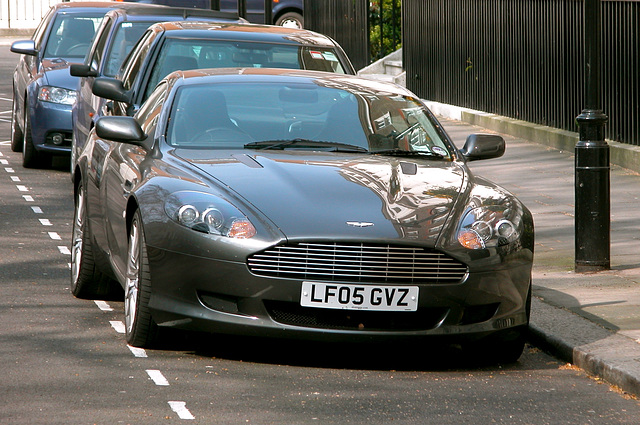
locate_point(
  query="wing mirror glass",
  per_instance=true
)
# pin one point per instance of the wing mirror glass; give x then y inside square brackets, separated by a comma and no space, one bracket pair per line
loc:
[77,70]
[483,146]
[120,129]
[24,47]
[111,88]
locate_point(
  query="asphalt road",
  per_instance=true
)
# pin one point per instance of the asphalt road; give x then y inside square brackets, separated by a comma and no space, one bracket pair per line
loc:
[65,361]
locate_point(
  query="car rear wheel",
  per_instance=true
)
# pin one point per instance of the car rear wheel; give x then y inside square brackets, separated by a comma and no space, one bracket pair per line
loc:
[141,330]
[16,131]
[87,281]
[31,158]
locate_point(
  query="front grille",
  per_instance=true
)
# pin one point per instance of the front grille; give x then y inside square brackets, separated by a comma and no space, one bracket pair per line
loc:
[294,314]
[357,263]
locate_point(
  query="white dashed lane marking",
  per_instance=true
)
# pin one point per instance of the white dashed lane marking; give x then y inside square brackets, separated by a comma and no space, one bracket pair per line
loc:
[157,377]
[180,407]
[118,326]
[137,352]
[104,306]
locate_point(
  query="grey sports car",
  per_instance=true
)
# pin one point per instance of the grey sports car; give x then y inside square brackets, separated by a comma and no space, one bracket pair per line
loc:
[299,204]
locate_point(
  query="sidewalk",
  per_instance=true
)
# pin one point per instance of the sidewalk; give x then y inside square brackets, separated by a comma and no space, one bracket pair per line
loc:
[590,320]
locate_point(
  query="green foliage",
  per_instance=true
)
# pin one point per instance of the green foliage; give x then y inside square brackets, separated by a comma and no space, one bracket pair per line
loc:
[384,37]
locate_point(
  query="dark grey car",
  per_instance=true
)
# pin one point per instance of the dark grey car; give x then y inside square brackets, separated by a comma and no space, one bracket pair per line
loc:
[299,204]
[119,31]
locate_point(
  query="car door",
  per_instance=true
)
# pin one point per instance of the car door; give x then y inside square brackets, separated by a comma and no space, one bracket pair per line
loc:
[122,176]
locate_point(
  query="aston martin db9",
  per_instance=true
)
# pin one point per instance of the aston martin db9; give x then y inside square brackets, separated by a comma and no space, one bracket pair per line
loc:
[299,204]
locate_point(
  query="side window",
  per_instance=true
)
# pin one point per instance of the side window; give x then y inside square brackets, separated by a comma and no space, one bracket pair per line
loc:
[123,40]
[98,46]
[136,58]
[149,113]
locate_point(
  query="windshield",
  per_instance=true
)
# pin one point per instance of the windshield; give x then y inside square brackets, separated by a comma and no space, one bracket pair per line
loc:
[71,35]
[301,116]
[199,54]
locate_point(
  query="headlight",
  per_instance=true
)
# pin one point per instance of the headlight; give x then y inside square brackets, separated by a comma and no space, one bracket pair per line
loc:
[208,214]
[57,95]
[490,226]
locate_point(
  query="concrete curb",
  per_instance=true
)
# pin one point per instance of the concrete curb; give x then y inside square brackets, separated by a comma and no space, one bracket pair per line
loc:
[624,155]
[598,351]
[16,32]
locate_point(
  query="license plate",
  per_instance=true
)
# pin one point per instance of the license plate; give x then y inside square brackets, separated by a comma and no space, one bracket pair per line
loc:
[359,297]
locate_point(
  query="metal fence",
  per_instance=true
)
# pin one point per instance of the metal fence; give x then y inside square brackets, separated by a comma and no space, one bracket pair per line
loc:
[346,21]
[23,14]
[523,59]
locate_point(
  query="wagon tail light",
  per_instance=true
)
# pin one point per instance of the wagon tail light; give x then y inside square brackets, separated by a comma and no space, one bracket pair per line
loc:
[207,213]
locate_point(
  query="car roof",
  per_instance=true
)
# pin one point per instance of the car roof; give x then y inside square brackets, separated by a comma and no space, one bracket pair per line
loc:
[284,76]
[239,32]
[88,6]
[138,11]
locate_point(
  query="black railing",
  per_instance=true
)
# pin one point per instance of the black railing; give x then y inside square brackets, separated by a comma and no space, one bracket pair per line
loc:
[385,28]
[367,30]
[346,22]
[523,59]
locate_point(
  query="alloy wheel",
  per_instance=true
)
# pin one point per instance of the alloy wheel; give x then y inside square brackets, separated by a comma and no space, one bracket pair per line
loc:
[132,287]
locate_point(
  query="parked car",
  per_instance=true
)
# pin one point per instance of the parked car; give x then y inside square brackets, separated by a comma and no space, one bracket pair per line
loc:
[166,47]
[116,36]
[43,90]
[286,13]
[299,204]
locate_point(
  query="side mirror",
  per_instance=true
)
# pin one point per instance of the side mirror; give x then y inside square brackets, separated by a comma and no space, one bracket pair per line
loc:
[77,70]
[483,146]
[112,89]
[24,47]
[120,129]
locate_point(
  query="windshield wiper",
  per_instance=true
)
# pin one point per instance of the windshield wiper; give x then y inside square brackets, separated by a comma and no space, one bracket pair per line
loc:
[402,152]
[326,146]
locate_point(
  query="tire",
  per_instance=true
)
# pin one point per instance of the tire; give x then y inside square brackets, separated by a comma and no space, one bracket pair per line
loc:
[140,328]
[31,158]
[87,281]
[16,131]
[290,20]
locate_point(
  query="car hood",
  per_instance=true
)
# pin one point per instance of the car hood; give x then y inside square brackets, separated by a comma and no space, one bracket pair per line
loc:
[56,74]
[340,196]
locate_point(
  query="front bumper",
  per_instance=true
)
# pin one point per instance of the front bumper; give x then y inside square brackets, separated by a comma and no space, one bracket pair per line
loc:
[216,296]
[49,120]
